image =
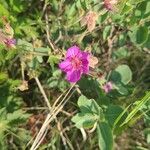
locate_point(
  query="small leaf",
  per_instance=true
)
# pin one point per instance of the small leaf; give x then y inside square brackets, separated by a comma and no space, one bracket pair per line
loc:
[89,115]
[121,53]
[82,120]
[88,105]
[121,89]
[53,60]
[25,45]
[127,8]
[17,117]
[40,59]
[42,49]
[139,35]
[122,74]
[105,136]
[106,32]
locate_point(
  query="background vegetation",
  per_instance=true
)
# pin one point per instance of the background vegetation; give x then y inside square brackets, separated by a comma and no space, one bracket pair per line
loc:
[78,116]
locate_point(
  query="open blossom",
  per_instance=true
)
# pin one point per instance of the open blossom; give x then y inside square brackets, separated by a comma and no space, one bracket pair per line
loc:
[108,87]
[75,64]
[10,42]
[110,4]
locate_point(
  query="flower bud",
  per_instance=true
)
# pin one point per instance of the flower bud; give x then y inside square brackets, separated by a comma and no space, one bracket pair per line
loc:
[110,4]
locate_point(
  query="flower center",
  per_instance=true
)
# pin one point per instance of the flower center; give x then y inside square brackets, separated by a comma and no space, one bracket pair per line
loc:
[76,63]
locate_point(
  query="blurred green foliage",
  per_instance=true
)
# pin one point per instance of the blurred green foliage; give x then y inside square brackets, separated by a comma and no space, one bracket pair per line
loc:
[44,30]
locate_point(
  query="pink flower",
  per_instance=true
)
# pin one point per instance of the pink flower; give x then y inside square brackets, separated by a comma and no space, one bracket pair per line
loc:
[110,4]
[75,64]
[108,87]
[10,42]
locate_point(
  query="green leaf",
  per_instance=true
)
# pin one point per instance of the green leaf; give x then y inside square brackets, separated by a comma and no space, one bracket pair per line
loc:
[11,54]
[17,117]
[142,34]
[18,6]
[119,118]
[3,77]
[42,49]
[88,106]
[112,113]
[122,73]
[34,63]
[136,2]
[40,59]
[89,115]
[85,4]
[3,120]
[25,45]
[71,11]
[53,60]
[127,7]
[82,120]
[24,135]
[122,40]
[3,11]
[106,32]
[2,114]
[139,35]
[121,53]
[139,105]
[121,89]
[147,43]
[105,136]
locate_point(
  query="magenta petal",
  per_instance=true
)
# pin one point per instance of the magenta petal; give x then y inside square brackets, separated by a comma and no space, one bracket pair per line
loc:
[73,51]
[74,76]
[85,69]
[85,55]
[85,62]
[65,65]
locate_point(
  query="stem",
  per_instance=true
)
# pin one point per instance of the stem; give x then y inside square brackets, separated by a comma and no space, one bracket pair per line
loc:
[48,33]
[22,70]
[50,117]
[43,92]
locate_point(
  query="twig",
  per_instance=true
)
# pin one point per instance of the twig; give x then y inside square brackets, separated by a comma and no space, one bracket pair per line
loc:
[46,123]
[50,117]
[110,40]
[94,127]
[48,33]
[83,134]
[68,141]
[46,108]
[45,132]
[60,34]
[22,70]
[146,50]
[43,92]
[44,8]
[35,108]
[61,133]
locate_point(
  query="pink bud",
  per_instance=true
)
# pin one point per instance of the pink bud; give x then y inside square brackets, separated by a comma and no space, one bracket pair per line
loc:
[110,4]
[108,87]
[10,42]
